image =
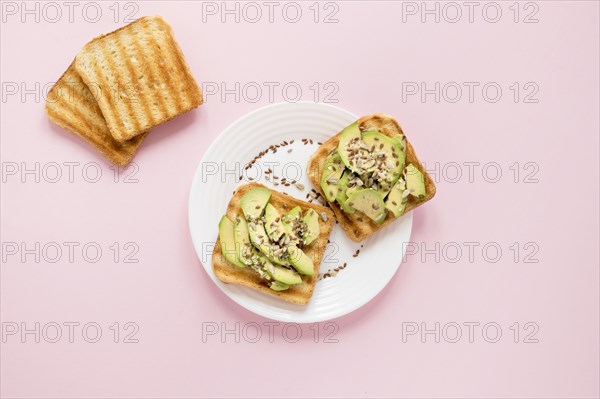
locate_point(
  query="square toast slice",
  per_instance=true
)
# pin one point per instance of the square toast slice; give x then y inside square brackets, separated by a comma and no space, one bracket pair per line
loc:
[358,226]
[299,294]
[141,75]
[71,105]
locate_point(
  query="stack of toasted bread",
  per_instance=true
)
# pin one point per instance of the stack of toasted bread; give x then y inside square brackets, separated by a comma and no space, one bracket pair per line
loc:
[123,84]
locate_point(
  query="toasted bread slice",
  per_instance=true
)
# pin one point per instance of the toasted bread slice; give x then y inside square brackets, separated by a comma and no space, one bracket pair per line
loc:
[298,294]
[141,76]
[358,226]
[71,105]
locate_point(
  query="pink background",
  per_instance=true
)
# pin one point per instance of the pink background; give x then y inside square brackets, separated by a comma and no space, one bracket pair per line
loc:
[368,54]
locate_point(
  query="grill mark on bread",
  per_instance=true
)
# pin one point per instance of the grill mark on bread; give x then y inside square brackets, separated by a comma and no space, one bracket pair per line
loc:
[177,74]
[155,55]
[146,116]
[76,97]
[75,113]
[56,117]
[141,100]
[111,102]
[182,70]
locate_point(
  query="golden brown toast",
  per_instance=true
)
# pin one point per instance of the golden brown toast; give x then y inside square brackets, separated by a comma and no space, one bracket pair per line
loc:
[358,226]
[298,294]
[142,77]
[71,105]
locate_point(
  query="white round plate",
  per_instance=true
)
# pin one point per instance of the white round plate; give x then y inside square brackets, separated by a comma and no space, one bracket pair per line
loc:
[218,176]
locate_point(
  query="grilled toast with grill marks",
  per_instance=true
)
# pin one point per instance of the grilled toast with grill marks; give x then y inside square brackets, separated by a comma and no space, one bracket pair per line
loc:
[140,75]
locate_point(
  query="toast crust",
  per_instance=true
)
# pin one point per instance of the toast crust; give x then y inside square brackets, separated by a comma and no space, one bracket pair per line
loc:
[142,75]
[71,105]
[358,230]
[298,294]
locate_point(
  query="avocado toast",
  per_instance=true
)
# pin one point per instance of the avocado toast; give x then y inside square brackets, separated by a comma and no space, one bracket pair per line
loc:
[272,242]
[370,175]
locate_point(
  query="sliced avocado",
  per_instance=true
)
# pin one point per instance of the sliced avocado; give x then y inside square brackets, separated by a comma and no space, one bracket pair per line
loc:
[227,241]
[242,240]
[254,201]
[395,157]
[350,190]
[332,171]
[311,219]
[278,286]
[283,274]
[396,201]
[260,239]
[290,218]
[260,264]
[401,139]
[273,224]
[341,195]
[415,181]
[369,202]
[300,261]
[348,135]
